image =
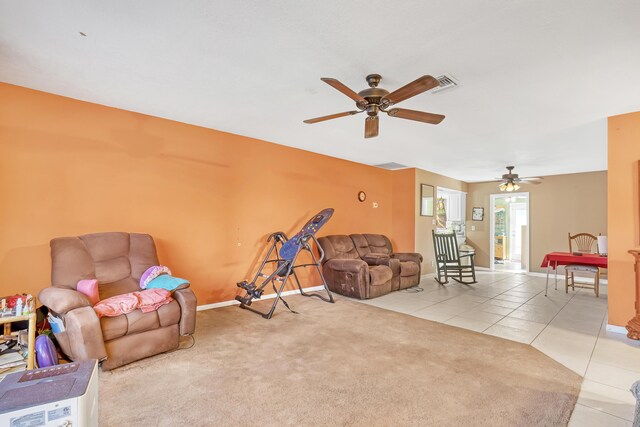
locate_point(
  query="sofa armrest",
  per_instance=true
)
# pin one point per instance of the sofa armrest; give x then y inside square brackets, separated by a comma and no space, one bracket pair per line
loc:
[346,265]
[376,259]
[188,305]
[408,256]
[348,277]
[61,300]
[392,263]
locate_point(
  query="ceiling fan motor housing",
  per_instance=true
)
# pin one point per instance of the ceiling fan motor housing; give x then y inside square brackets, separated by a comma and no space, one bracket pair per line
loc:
[373,95]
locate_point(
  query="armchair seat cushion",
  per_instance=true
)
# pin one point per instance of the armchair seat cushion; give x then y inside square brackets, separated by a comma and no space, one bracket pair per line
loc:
[137,321]
[380,274]
[409,268]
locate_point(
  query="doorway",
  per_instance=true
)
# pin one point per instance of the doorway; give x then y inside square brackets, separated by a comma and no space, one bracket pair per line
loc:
[509,247]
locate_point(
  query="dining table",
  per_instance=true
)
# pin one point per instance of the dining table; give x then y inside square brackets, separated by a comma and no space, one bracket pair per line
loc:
[555,259]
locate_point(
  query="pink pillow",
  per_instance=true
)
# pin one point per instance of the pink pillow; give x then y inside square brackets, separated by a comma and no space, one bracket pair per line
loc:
[90,289]
[152,299]
[148,300]
[117,305]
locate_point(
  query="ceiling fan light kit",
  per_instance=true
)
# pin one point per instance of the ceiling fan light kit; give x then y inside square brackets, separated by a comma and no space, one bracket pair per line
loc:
[509,187]
[511,181]
[375,100]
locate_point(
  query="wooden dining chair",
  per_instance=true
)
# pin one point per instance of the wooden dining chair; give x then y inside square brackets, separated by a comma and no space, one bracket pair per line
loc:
[583,243]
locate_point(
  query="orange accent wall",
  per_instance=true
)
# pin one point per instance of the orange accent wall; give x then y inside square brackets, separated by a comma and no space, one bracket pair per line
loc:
[209,198]
[624,216]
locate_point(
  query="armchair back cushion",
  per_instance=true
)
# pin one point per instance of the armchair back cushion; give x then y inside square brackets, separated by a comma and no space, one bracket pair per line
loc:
[116,260]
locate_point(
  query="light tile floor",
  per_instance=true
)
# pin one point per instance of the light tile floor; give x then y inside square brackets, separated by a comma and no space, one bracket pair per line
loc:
[570,328]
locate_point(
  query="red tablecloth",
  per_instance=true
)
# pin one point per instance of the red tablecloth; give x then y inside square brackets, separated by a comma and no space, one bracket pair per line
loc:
[566,258]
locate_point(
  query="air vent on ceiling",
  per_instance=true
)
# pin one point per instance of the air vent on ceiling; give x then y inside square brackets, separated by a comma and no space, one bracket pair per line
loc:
[391,166]
[447,81]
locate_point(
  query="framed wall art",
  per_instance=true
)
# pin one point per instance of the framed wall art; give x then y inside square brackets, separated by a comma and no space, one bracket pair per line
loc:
[477,214]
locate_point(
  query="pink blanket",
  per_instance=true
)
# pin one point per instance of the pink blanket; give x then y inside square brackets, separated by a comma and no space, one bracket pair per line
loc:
[147,300]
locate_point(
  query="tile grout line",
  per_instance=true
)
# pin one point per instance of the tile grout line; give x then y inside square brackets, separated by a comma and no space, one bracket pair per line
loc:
[593,350]
[549,322]
[602,412]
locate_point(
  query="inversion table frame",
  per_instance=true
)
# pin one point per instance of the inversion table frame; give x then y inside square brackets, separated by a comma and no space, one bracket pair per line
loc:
[282,270]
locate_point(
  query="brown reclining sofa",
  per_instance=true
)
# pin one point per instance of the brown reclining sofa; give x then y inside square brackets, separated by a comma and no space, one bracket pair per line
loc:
[117,260]
[364,265]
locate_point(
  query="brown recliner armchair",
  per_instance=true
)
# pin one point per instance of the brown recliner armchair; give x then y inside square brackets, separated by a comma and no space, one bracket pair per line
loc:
[349,275]
[116,260]
[378,247]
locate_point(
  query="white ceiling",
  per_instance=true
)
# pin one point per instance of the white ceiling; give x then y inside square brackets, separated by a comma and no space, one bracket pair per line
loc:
[538,77]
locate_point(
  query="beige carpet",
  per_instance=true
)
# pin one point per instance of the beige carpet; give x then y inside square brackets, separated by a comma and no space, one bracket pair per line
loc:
[339,364]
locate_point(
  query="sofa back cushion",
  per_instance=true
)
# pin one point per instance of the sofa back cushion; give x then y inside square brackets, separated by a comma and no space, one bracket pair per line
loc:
[116,260]
[379,243]
[339,247]
[361,244]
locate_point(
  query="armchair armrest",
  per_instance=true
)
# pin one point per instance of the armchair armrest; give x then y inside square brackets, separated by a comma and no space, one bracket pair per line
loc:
[408,256]
[61,300]
[188,305]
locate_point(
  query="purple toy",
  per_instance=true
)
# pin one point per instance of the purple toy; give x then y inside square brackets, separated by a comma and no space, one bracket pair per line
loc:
[46,354]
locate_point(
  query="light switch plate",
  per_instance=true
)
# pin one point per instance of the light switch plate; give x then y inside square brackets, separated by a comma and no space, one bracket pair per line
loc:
[473,228]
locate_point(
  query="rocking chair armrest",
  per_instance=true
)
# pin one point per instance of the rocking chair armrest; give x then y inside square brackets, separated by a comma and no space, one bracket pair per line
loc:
[468,255]
[408,256]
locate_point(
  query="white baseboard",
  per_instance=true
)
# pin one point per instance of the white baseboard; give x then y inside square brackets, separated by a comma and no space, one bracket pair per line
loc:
[266,296]
[586,280]
[616,329]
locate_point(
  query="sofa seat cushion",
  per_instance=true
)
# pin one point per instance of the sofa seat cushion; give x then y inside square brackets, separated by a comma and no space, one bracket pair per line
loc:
[380,274]
[137,321]
[409,268]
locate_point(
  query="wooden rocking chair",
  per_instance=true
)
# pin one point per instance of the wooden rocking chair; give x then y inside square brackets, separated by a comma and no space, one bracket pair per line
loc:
[448,260]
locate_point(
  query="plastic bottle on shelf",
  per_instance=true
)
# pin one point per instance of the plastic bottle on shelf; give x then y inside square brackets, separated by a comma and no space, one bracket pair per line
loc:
[19,307]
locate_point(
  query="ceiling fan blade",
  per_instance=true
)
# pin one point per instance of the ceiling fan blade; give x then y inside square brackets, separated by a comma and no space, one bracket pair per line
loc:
[532,180]
[414,88]
[419,116]
[342,88]
[371,127]
[332,116]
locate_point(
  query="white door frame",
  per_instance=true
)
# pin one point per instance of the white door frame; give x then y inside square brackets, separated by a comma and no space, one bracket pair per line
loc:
[515,232]
[492,227]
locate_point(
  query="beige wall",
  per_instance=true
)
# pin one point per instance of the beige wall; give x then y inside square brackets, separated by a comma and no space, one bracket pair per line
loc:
[424,224]
[561,204]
